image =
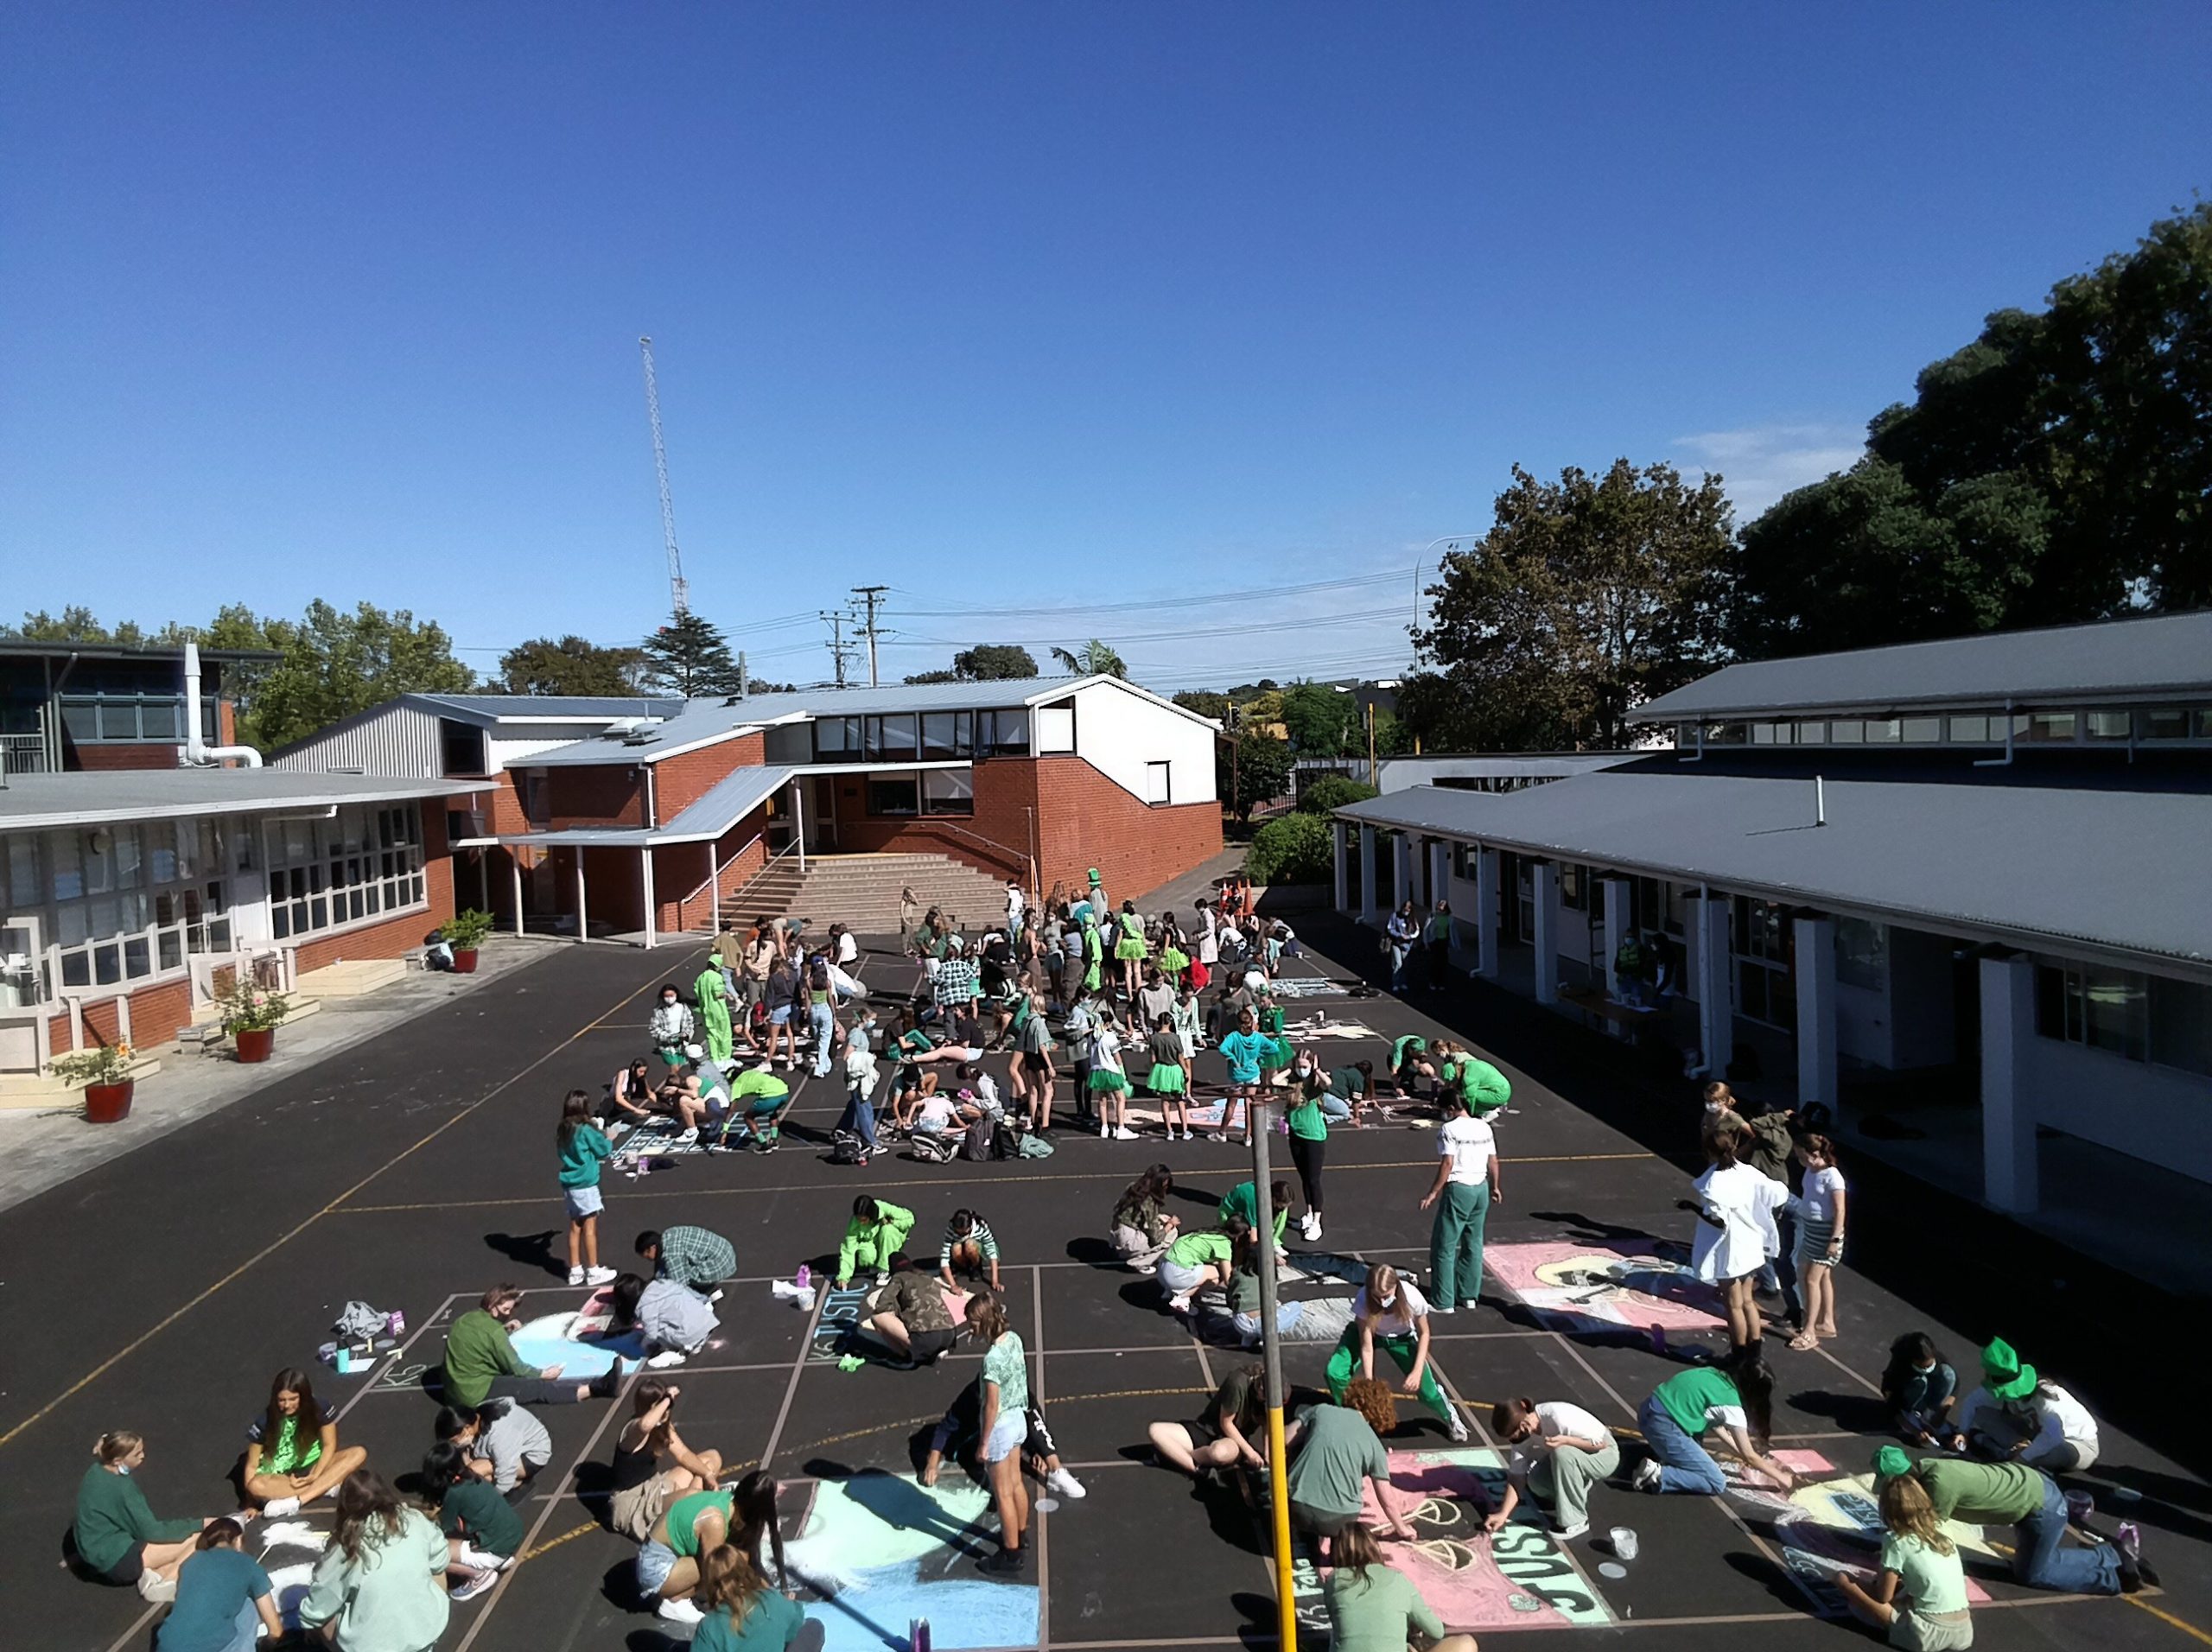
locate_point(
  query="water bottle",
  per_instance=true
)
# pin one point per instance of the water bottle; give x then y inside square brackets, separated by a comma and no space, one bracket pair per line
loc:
[398,1323]
[920,1639]
[803,1278]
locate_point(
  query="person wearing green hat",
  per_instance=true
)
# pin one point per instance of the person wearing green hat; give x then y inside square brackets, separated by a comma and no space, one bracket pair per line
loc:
[2017,1413]
[2013,1494]
[1919,1597]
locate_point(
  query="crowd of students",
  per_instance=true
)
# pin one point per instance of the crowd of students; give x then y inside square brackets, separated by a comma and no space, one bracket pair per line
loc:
[1772,1212]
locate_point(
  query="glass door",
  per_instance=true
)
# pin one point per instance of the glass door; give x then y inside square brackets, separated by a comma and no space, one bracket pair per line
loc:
[22,965]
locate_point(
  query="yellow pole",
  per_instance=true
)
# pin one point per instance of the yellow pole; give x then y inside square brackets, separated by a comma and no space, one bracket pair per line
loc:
[1271,1351]
[1279,1484]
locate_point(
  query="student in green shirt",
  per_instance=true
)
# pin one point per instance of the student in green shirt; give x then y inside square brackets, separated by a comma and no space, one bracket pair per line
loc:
[1374,1607]
[482,1362]
[116,1533]
[584,1148]
[1197,1260]
[1004,1427]
[1241,1204]
[223,1598]
[1309,1139]
[877,1233]
[744,1614]
[380,1585]
[1919,1596]
[1737,1398]
[482,1530]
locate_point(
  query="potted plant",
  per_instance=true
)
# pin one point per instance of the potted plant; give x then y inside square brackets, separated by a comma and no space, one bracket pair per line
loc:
[464,932]
[251,1015]
[105,1074]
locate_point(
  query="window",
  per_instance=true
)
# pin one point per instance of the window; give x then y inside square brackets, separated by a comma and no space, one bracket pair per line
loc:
[1922,731]
[115,719]
[948,792]
[1573,887]
[363,863]
[460,747]
[1812,733]
[1464,859]
[1726,734]
[2050,725]
[1056,728]
[1656,905]
[1850,733]
[1974,731]
[1764,990]
[1767,733]
[896,794]
[947,733]
[2109,725]
[836,737]
[2181,1025]
[1156,786]
[1003,733]
[1862,953]
[1882,731]
[2161,725]
[895,737]
[2105,1009]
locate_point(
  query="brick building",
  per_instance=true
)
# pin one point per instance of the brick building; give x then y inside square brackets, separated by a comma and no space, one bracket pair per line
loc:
[647,815]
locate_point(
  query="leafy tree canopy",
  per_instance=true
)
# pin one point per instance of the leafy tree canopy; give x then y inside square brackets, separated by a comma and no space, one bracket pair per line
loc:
[1588,596]
[1254,768]
[2056,469]
[1205,702]
[1094,658]
[689,655]
[985,662]
[570,665]
[76,624]
[1293,849]
[1334,792]
[1322,720]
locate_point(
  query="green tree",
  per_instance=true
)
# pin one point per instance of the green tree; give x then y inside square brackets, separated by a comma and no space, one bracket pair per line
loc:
[1334,792]
[73,625]
[934,676]
[1094,658]
[1322,720]
[1587,597]
[1205,702]
[993,663]
[1291,848]
[332,664]
[689,657]
[1252,769]
[570,665]
[2057,469]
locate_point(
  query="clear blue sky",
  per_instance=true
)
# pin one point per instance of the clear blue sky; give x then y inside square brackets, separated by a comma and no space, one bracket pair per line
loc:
[1057,305]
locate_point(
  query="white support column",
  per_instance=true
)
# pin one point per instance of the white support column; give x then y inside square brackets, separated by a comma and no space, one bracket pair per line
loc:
[2010,1177]
[645,881]
[583,920]
[514,863]
[1546,932]
[1615,930]
[1440,876]
[1340,836]
[1367,913]
[798,821]
[1487,879]
[1816,1044]
[1716,996]
[1401,870]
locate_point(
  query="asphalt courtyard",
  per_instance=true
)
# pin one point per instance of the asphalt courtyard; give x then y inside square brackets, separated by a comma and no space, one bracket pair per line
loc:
[159,1292]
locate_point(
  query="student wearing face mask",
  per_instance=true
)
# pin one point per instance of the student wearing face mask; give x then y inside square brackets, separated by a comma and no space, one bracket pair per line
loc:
[672,1025]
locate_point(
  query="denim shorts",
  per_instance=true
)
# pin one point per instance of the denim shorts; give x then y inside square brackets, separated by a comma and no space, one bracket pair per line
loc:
[583,1201]
[655,1562]
[1006,1435]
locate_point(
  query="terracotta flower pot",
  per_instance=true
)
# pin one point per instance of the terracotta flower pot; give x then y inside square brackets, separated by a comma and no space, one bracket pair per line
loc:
[108,1103]
[464,960]
[255,1043]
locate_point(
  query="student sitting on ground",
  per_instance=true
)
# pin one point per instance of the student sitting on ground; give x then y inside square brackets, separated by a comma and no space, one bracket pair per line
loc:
[909,1312]
[1333,1449]
[970,1246]
[674,1320]
[115,1532]
[877,1232]
[1142,1228]
[940,1115]
[630,1095]
[653,1465]
[1919,1597]
[223,1598]
[292,1453]
[481,1362]
[505,1444]
[2017,1414]
[1561,1451]
[744,1613]
[1199,1260]
[1922,1389]
[1244,1304]
[483,1533]
[1372,1604]
[381,1583]
[1229,1432]
[694,1092]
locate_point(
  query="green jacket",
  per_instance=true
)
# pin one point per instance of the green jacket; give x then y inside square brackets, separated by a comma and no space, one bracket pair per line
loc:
[112,1515]
[874,1240]
[477,1351]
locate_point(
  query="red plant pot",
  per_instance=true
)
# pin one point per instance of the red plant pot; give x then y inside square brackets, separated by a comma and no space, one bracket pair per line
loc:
[464,960]
[108,1103]
[256,1043]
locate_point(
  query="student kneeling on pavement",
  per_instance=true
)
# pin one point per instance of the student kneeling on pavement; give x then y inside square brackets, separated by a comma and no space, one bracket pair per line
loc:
[2013,1494]
[908,1311]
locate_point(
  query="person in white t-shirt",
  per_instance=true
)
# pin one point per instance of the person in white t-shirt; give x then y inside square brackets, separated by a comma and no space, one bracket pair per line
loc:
[1561,1451]
[1820,1209]
[1735,1207]
[1465,1188]
[1388,1312]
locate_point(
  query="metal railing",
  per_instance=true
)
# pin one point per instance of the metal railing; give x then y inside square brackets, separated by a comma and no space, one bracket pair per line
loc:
[23,754]
[713,879]
[776,859]
[1015,861]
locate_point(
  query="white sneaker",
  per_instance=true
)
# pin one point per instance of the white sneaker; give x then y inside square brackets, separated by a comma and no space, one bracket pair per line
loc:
[1104,1130]
[679,1612]
[687,1137]
[1566,1533]
[665,1358]
[1647,1475]
[278,1508]
[153,1588]
[575,1276]
[1456,1425]
[1065,1483]
[483,1560]
[599,1276]
[1125,1133]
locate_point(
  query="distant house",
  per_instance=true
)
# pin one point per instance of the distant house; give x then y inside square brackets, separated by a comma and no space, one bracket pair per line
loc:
[648,816]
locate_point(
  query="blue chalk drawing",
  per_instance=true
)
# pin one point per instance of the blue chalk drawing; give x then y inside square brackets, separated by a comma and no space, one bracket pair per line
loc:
[545,1341]
[882,1550]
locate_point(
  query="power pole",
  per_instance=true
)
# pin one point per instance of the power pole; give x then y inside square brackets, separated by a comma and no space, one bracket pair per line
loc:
[679,591]
[870,594]
[838,646]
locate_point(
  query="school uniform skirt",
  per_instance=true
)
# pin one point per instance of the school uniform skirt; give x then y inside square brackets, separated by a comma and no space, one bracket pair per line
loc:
[1814,1241]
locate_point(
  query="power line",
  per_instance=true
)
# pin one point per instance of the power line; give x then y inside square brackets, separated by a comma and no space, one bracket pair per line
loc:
[1246,594]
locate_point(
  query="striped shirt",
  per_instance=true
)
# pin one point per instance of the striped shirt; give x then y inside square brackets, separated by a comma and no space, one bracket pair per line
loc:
[979,1236]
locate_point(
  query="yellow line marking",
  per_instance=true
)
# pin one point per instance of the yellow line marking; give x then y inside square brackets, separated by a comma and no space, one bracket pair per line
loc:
[277,1244]
[2164,1616]
[552,1543]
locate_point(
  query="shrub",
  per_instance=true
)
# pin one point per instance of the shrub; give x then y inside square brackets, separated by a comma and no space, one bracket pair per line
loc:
[1334,792]
[1293,849]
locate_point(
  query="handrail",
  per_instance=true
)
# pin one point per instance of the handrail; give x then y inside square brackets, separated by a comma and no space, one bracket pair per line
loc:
[774,858]
[716,876]
[1020,856]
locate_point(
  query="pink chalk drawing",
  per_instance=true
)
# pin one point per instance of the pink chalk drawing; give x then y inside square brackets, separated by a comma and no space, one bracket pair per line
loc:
[1830,1521]
[1520,1579]
[1598,1286]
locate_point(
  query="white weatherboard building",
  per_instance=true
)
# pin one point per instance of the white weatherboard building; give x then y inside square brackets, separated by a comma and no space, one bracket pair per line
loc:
[1976,873]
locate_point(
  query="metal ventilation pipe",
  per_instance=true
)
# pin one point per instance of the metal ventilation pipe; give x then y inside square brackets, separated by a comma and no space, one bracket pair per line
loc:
[197,752]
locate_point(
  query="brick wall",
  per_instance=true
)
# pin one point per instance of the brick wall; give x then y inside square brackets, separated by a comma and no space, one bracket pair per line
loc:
[102,758]
[393,936]
[601,795]
[158,1013]
[678,869]
[681,781]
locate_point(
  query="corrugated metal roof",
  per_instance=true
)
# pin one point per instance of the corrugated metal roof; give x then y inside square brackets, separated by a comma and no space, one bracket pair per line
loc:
[2164,653]
[729,800]
[35,801]
[554,708]
[2122,870]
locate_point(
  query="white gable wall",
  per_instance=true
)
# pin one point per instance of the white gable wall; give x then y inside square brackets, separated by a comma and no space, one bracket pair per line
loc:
[1118,733]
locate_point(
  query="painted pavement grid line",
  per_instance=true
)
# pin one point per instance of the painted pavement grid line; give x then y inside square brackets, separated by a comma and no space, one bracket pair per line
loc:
[394,1360]
[798,1369]
[1044,1553]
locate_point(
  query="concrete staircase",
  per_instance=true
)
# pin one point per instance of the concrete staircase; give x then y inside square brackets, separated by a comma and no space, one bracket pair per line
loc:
[861,891]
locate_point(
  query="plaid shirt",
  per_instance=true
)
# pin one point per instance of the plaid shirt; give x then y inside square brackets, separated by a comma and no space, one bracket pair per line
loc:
[956,982]
[694,1257]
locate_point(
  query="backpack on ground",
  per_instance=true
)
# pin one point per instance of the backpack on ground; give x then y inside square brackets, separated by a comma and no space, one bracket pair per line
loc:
[845,1147]
[935,1146]
[975,1145]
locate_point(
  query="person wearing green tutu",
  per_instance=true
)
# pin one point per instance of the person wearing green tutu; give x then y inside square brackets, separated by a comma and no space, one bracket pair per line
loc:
[1109,1081]
[1167,1080]
[1130,948]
